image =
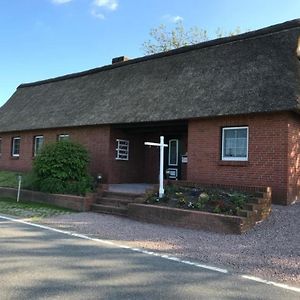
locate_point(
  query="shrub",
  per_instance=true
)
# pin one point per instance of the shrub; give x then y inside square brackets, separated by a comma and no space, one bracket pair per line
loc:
[61,167]
[202,201]
[238,200]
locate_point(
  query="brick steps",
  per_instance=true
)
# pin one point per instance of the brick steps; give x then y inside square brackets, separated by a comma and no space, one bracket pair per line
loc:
[115,203]
[256,210]
[119,195]
[107,209]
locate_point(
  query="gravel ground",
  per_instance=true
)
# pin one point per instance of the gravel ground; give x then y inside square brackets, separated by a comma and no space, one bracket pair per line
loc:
[271,250]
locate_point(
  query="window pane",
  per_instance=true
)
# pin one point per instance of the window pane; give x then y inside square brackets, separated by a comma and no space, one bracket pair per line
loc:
[39,140]
[63,137]
[16,146]
[235,143]
[229,133]
[122,149]
[173,155]
[241,133]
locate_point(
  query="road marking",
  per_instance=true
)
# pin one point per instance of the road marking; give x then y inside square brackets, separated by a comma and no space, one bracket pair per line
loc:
[281,285]
[164,256]
[85,237]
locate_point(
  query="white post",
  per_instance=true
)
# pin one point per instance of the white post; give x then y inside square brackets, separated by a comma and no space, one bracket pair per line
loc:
[161,168]
[19,187]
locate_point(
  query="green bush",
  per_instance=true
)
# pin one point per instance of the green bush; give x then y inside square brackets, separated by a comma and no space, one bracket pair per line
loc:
[61,167]
[238,199]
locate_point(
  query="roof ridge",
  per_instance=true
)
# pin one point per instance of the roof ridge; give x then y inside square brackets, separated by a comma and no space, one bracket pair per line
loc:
[211,43]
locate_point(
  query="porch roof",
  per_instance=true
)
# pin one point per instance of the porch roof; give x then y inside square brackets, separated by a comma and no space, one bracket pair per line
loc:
[253,72]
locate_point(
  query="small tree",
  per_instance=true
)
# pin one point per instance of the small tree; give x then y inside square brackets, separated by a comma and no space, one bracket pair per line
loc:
[61,167]
[162,39]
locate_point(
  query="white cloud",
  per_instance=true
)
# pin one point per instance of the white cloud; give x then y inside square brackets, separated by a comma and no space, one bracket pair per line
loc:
[107,4]
[97,14]
[61,1]
[172,19]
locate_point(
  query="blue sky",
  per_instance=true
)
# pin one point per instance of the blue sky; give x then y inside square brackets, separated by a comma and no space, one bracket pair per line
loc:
[47,38]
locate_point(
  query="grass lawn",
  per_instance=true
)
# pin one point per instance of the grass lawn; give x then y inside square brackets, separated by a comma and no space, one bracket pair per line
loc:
[30,210]
[10,179]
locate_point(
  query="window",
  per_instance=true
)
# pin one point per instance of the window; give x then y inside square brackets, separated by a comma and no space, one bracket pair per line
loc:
[0,147]
[173,153]
[63,137]
[37,145]
[15,151]
[122,150]
[235,143]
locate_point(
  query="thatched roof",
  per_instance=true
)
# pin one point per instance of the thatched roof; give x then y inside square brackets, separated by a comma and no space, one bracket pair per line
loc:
[250,73]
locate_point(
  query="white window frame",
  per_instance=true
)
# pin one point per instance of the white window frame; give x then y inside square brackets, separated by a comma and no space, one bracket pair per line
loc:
[63,136]
[223,144]
[13,147]
[35,153]
[122,149]
[169,158]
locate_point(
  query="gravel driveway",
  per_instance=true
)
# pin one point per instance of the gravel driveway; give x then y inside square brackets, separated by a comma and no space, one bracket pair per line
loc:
[271,250]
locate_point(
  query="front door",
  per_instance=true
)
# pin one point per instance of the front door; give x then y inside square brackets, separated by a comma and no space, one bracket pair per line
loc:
[173,159]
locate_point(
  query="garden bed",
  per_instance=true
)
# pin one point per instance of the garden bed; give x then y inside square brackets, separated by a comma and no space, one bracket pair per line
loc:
[213,208]
[208,199]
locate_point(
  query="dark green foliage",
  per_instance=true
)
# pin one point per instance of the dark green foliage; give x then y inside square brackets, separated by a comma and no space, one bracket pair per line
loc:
[61,167]
[238,199]
[29,181]
[201,198]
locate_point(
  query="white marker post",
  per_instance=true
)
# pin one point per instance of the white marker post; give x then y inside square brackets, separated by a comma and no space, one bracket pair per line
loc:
[19,187]
[161,145]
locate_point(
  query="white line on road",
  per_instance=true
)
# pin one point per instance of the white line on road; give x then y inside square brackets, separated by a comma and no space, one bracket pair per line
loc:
[281,285]
[186,262]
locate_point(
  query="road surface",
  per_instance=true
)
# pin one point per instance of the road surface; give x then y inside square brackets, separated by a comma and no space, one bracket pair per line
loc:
[37,263]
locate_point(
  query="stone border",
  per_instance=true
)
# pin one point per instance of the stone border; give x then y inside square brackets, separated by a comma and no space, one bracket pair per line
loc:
[77,203]
[258,210]
[186,218]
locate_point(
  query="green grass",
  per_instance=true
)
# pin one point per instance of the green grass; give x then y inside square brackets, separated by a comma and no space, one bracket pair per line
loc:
[10,179]
[30,210]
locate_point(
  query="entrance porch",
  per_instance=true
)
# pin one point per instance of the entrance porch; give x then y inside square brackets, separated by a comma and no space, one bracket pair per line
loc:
[133,162]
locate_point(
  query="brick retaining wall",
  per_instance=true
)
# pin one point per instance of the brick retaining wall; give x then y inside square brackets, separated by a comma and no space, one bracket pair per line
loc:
[186,218]
[258,210]
[77,203]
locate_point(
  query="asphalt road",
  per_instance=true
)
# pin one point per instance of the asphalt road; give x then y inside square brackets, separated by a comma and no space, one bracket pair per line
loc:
[37,263]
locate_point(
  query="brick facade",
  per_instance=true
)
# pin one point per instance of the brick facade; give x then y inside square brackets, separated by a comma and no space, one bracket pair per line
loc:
[274,153]
[270,137]
[98,146]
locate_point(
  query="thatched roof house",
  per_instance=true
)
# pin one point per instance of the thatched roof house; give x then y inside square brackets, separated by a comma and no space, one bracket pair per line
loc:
[229,82]
[252,72]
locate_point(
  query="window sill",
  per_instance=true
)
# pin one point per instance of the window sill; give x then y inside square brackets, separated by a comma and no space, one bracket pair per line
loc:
[233,163]
[14,157]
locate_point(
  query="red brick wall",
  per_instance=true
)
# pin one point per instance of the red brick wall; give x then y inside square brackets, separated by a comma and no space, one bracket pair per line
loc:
[126,171]
[142,166]
[293,171]
[274,153]
[267,163]
[95,139]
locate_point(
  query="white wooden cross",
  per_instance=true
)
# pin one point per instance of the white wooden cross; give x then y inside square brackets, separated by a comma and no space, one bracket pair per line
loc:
[161,145]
